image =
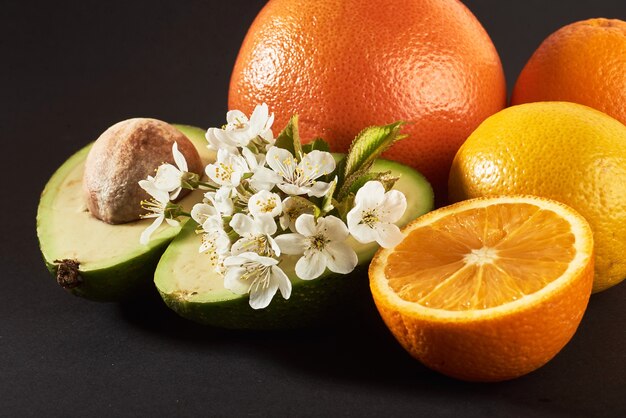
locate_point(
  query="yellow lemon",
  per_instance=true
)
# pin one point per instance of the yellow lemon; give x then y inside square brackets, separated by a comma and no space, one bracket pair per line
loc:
[562,151]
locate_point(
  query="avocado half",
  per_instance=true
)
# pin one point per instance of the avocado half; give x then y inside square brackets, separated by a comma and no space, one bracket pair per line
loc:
[190,287]
[91,258]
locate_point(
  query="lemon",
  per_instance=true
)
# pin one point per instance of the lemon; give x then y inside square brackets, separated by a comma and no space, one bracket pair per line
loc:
[558,150]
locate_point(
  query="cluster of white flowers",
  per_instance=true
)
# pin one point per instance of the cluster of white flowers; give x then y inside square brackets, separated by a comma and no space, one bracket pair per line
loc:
[263,203]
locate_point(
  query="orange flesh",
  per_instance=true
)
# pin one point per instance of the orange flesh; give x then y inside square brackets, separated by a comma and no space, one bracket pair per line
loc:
[481,258]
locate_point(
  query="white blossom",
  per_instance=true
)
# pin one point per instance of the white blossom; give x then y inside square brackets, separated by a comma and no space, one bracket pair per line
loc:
[374,213]
[293,207]
[265,203]
[322,245]
[215,240]
[221,199]
[262,177]
[157,207]
[239,130]
[169,177]
[301,178]
[259,276]
[228,170]
[256,234]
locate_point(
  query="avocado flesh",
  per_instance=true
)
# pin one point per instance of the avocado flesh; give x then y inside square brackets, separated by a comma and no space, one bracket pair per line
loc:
[190,286]
[113,265]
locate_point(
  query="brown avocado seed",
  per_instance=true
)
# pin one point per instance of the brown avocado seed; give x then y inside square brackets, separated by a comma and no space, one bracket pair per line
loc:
[125,153]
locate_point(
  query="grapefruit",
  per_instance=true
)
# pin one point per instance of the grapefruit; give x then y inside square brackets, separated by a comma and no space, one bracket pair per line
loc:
[345,65]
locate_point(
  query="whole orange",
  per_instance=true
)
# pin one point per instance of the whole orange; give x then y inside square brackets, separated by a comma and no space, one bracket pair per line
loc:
[345,65]
[584,62]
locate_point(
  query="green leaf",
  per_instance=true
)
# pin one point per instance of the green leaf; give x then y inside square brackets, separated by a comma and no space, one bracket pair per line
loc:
[318,144]
[365,149]
[369,144]
[386,178]
[289,138]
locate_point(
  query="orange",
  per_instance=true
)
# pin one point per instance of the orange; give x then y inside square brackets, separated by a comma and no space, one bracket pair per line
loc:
[487,289]
[562,151]
[345,65]
[584,62]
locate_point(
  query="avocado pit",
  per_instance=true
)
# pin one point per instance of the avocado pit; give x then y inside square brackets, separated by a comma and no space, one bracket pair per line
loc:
[124,154]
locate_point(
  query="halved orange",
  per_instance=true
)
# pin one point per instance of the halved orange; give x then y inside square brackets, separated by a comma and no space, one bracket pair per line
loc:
[487,289]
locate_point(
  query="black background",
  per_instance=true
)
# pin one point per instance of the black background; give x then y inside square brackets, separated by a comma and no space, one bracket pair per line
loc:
[69,70]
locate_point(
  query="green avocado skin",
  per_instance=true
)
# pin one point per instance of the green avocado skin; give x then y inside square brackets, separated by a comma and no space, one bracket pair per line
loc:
[124,280]
[321,301]
[119,282]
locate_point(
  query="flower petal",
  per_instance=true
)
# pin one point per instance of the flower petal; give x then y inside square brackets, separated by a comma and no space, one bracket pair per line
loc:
[273,245]
[214,142]
[167,177]
[281,161]
[179,158]
[159,195]
[317,163]
[221,200]
[389,235]
[370,195]
[235,117]
[292,189]
[238,260]
[261,296]
[284,284]
[265,202]
[243,224]
[393,206]
[226,140]
[147,233]
[218,140]
[265,224]
[340,257]
[311,265]
[213,224]
[174,193]
[319,189]
[333,228]
[293,244]
[284,220]
[354,217]
[244,245]
[305,225]
[222,243]
[235,178]
[233,282]
[265,261]
[201,212]
[363,233]
[264,179]
[258,119]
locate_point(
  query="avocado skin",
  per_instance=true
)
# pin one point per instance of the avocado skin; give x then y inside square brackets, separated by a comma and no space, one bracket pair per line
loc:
[319,302]
[117,283]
